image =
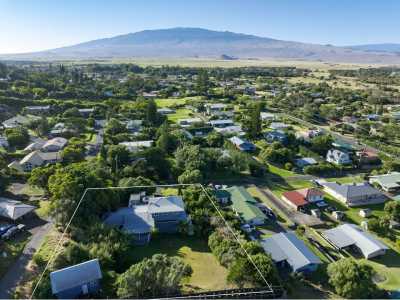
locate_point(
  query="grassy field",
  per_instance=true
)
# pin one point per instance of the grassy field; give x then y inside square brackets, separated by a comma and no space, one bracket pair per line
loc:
[208,274]
[280,171]
[181,113]
[169,102]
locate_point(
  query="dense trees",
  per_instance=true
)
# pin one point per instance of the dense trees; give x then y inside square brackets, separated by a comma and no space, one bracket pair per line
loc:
[17,137]
[157,276]
[351,279]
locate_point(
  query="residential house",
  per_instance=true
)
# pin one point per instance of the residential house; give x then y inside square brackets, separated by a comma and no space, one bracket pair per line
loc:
[189,122]
[245,206]
[301,198]
[13,209]
[354,194]
[86,112]
[198,131]
[387,182]
[37,110]
[230,130]
[265,116]
[222,196]
[137,145]
[278,126]
[287,250]
[368,157]
[166,111]
[305,161]
[16,121]
[217,109]
[81,280]
[221,123]
[54,145]
[35,159]
[351,236]
[162,213]
[134,125]
[338,157]
[150,95]
[276,136]
[242,144]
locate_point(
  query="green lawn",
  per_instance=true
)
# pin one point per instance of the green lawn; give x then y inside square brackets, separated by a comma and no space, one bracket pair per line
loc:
[43,210]
[208,274]
[181,113]
[169,102]
[346,179]
[352,213]
[279,187]
[280,171]
[388,267]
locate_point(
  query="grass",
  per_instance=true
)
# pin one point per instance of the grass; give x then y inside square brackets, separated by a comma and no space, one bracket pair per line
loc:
[13,249]
[352,213]
[279,187]
[181,113]
[387,266]
[280,171]
[43,210]
[208,274]
[170,102]
[346,179]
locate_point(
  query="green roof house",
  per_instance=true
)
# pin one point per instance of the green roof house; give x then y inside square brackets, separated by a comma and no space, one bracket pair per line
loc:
[245,206]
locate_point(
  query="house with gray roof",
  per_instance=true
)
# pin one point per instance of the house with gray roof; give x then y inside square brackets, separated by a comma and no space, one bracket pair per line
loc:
[352,236]
[76,281]
[35,159]
[387,182]
[286,249]
[162,213]
[356,194]
[13,209]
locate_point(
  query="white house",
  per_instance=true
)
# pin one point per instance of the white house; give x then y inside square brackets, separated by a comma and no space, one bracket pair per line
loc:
[338,157]
[54,145]
[137,145]
[36,159]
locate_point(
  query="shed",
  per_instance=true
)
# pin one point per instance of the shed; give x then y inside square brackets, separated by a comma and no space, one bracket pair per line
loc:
[13,209]
[77,280]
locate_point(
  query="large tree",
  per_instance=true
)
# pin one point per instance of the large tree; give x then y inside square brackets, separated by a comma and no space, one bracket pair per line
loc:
[351,279]
[157,276]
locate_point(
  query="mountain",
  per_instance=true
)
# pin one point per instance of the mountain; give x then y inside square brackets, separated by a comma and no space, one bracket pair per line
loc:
[393,48]
[203,43]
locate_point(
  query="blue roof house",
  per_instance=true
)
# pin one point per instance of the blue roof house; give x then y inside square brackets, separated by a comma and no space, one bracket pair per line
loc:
[162,213]
[76,281]
[276,136]
[286,249]
[242,144]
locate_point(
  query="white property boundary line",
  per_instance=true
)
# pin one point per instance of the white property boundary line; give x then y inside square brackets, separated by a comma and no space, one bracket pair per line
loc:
[53,256]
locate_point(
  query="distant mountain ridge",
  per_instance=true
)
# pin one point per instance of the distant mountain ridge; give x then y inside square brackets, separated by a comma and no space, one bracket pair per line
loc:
[197,42]
[386,47]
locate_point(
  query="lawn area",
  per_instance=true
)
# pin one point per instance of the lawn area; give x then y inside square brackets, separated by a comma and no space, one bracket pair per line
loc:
[208,274]
[346,179]
[279,187]
[181,113]
[12,249]
[352,213]
[280,171]
[169,102]
[43,210]
[388,267]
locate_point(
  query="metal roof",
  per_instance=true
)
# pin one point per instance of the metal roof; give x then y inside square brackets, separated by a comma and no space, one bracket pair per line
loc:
[13,209]
[287,246]
[244,204]
[75,275]
[349,234]
[352,190]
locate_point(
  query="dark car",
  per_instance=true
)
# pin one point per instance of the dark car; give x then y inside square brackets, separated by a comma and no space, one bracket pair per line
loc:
[4,228]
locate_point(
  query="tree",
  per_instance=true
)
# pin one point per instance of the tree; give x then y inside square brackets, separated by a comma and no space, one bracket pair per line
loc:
[157,276]
[321,144]
[190,176]
[115,127]
[381,226]
[215,139]
[130,182]
[73,153]
[17,137]
[254,122]
[151,112]
[118,156]
[392,208]
[190,157]
[202,83]
[165,140]
[243,271]
[351,279]
[40,176]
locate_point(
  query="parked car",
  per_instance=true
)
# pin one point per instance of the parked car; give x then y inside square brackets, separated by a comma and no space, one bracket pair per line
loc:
[4,228]
[10,232]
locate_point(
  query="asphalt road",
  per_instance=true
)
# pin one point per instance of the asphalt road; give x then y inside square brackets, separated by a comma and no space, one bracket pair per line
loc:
[16,272]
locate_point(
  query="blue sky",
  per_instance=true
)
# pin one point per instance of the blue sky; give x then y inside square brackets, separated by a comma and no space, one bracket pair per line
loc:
[30,25]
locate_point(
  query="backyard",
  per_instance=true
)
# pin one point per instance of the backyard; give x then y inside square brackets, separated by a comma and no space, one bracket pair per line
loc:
[208,274]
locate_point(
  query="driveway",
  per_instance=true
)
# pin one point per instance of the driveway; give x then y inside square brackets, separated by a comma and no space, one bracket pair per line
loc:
[16,272]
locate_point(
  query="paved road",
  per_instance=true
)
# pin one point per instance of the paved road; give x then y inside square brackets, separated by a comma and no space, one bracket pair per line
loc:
[18,269]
